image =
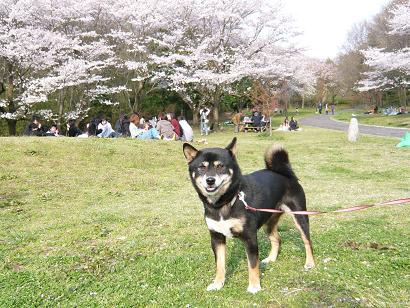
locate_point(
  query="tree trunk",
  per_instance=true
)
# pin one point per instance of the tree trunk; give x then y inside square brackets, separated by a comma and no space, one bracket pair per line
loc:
[135,105]
[127,97]
[216,101]
[195,110]
[216,113]
[12,127]
[195,116]
[138,95]
[403,96]
[381,100]
[70,102]
[287,100]
[60,109]
[303,101]
[11,123]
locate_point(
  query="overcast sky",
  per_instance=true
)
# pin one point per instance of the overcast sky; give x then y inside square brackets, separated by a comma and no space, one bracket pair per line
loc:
[325,23]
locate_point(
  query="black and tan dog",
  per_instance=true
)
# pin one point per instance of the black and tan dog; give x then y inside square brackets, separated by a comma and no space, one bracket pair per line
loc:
[218,180]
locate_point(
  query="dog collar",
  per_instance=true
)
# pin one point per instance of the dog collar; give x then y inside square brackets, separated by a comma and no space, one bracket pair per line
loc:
[233,201]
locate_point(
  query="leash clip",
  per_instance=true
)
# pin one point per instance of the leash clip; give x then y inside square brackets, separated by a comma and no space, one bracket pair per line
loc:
[241,197]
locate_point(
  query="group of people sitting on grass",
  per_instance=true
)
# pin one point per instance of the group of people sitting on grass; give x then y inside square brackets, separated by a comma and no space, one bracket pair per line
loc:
[35,128]
[165,127]
[287,125]
[373,110]
[391,111]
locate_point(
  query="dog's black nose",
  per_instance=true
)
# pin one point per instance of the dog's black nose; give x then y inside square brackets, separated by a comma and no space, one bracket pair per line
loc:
[210,181]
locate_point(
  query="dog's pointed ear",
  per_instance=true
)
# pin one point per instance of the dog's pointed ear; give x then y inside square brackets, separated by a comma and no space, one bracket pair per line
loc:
[232,147]
[190,152]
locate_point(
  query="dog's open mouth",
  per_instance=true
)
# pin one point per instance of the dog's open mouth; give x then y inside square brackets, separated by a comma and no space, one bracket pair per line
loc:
[214,188]
[211,189]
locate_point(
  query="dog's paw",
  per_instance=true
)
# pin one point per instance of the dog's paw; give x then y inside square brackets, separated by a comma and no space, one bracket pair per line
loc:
[309,266]
[254,289]
[215,286]
[268,260]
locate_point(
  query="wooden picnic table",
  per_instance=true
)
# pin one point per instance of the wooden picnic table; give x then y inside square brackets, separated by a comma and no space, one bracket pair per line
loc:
[248,126]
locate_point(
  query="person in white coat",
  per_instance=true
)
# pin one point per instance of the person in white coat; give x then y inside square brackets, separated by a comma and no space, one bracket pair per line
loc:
[187,132]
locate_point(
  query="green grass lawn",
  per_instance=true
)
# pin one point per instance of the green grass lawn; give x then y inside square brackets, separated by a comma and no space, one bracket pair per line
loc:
[91,222]
[400,120]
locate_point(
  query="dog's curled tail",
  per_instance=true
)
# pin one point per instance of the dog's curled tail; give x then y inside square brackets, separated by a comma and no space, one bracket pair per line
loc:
[277,160]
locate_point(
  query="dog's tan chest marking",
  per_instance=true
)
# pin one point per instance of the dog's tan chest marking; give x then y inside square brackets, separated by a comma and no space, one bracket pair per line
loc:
[225,227]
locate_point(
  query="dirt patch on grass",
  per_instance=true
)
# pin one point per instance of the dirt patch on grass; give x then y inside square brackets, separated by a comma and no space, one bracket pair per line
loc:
[356,246]
[10,202]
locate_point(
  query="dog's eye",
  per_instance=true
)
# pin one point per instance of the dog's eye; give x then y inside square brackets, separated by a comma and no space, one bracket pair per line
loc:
[219,167]
[202,168]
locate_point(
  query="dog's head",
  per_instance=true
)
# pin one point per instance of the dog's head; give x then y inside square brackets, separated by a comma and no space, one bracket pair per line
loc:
[212,170]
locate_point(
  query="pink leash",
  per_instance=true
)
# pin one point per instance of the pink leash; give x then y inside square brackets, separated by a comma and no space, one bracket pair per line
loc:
[241,196]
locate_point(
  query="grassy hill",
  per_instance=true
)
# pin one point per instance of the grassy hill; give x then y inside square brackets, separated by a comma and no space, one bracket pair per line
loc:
[91,222]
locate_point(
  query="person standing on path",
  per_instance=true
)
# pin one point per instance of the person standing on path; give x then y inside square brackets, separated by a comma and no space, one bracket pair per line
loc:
[236,120]
[203,115]
[332,107]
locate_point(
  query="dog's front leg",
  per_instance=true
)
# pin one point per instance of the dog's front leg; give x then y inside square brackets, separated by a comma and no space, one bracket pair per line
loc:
[252,252]
[218,242]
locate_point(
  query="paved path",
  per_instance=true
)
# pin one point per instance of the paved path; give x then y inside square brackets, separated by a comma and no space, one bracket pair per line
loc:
[325,121]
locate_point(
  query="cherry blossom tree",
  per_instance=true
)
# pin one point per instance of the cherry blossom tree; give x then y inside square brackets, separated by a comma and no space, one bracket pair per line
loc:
[400,20]
[140,31]
[327,84]
[25,52]
[286,74]
[69,53]
[217,43]
[47,48]
[305,78]
[389,67]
